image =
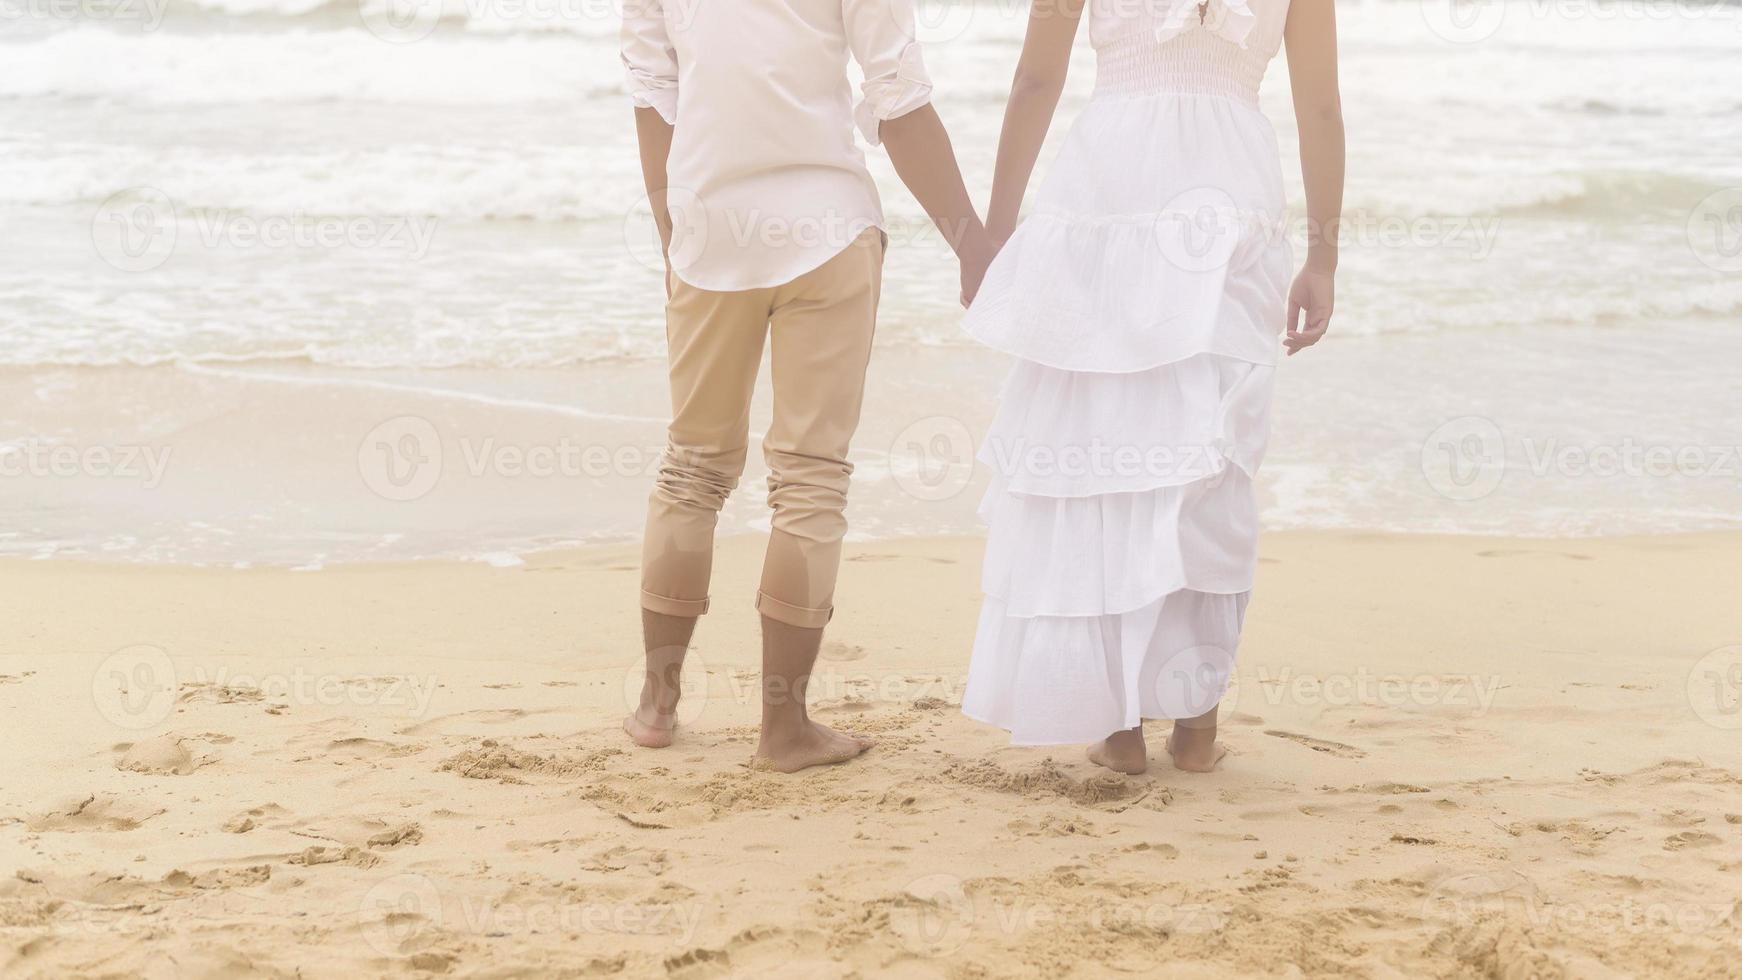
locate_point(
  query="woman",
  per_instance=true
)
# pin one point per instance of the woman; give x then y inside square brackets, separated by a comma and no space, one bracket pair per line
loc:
[1143,297]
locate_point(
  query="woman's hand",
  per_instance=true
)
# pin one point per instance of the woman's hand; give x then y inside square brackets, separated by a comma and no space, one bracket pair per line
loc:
[1312,298]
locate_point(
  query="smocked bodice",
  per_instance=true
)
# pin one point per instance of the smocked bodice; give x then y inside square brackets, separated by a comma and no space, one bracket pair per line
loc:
[1219,48]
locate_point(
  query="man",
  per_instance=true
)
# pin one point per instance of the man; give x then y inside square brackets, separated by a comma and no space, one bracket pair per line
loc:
[773,231]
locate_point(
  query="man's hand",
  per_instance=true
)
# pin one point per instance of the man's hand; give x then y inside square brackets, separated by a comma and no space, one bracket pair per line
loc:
[976,255]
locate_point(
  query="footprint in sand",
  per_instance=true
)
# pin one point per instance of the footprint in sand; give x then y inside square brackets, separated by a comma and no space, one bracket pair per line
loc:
[94,812]
[451,724]
[165,755]
[219,878]
[491,759]
[639,860]
[1690,838]
[1525,553]
[1337,749]
[100,890]
[1046,779]
[838,652]
[847,705]
[367,832]
[253,817]
[370,748]
[202,691]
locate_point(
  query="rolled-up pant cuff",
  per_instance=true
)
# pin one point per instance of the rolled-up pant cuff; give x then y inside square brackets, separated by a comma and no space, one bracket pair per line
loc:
[792,615]
[667,606]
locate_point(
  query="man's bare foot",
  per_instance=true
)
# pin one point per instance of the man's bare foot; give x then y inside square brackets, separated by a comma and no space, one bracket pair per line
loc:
[809,744]
[666,640]
[1122,752]
[650,728]
[1194,749]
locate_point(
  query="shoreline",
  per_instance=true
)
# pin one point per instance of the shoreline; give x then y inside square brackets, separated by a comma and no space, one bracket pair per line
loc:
[418,767]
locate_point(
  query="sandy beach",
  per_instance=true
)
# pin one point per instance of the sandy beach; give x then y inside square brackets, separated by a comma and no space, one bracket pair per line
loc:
[1449,756]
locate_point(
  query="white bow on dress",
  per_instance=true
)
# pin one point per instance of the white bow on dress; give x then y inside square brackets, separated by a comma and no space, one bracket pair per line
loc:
[1230,20]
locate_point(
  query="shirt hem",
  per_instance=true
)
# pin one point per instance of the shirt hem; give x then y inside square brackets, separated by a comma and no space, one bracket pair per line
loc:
[784,278]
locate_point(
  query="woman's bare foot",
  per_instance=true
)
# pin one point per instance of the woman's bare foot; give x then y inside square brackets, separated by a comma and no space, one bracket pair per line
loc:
[1194,749]
[1122,752]
[650,728]
[805,745]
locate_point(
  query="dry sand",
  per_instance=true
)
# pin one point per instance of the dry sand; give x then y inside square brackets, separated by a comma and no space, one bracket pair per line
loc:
[1449,757]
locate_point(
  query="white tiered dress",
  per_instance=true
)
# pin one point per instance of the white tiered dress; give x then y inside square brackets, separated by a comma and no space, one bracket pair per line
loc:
[1143,298]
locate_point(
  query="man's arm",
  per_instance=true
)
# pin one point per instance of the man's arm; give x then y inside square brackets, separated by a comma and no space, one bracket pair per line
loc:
[651,65]
[896,111]
[654,135]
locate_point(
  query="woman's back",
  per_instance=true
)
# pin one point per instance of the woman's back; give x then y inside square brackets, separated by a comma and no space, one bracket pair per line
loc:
[1148,46]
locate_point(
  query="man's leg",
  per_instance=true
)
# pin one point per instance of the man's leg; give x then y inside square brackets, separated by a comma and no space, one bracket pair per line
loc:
[821,328]
[715,342]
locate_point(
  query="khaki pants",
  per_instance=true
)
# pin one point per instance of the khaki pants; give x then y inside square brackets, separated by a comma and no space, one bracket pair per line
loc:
[820,327]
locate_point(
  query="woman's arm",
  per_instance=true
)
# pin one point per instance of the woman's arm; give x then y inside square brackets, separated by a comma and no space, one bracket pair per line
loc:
[1034,94]
[1311,35]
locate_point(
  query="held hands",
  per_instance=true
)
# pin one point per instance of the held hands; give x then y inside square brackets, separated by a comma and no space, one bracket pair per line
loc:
[976,253]
[1312,297]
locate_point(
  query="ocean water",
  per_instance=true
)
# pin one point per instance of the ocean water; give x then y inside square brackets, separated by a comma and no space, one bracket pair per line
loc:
[296,208]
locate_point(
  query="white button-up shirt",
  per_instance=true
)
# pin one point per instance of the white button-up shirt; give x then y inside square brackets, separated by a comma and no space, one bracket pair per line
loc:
[765,180]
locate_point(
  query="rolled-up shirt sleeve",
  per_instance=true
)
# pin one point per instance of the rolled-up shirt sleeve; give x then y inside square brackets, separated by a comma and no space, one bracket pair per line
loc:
[648,57]
[884,42]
